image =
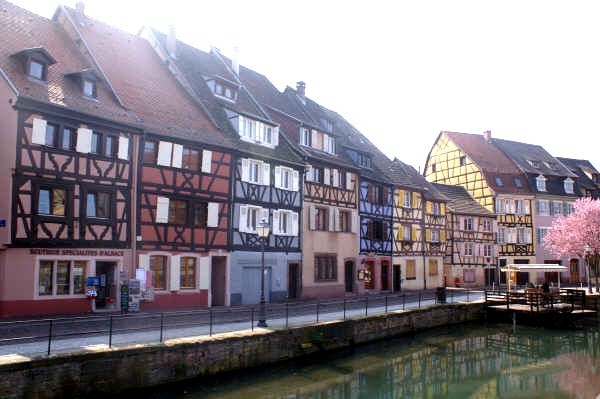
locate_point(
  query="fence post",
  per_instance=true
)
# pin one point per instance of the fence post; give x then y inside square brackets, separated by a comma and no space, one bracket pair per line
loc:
[366,306]
[344,308]
[468,291]
[50,336]
[386,304]
[162,316]
[210,322]
[419,299]
[317,312]
[403,301]
[110,325]
[252,318]
[452,296]
[286,314]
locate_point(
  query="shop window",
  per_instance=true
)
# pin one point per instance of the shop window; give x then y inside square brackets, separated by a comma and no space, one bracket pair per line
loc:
[79,277]
[45,278]
[61,277]
[187,273]
[158,266]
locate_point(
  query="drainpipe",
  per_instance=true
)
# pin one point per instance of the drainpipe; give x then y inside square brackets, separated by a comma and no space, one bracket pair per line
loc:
[423,240]
[392,236]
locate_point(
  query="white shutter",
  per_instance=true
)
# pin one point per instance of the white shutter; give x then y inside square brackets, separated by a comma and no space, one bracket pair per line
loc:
[177,160]
[312,217]
[277,182]
[348,181]
[276,222]
[354,222]
[331,223]
[245,169]
[213,214]
[38,136]
[162,210]
[526,207]
[204,273]
[84,140]
[337,219]
[326,176]
[308,173]
[295,180]
[528,236]
[336,177]
[266,177]
[206,161]
[243,218]
[264,214]
[144,261]
[313,141]
[174,273]
[165,149]
[326,142]
[294,222]
[123,148]
[240,125]
[276,136]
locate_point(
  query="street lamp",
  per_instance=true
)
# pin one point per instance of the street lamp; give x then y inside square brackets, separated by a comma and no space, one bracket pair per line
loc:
[587,268]
[262,229]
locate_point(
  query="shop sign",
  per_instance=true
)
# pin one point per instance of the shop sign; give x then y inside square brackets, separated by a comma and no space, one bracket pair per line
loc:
[75,252]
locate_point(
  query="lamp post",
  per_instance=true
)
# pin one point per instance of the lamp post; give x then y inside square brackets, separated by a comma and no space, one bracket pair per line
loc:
[587,268]
[262,229]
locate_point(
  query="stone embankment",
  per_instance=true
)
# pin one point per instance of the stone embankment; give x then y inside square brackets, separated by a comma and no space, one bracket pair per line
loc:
[113,370]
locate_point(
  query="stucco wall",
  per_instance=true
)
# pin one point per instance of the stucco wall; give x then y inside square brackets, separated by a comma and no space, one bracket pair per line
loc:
[118,369]
[8,141]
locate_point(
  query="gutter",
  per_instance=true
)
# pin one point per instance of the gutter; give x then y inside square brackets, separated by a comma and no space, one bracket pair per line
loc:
[10,84]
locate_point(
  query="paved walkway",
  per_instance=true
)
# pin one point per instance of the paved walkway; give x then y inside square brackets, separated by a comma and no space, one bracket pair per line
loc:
[92,334]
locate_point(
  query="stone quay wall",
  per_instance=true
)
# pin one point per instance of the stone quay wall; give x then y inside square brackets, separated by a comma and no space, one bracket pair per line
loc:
[117,369]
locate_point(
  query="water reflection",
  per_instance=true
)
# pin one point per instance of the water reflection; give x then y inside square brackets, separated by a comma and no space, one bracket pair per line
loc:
[462,362]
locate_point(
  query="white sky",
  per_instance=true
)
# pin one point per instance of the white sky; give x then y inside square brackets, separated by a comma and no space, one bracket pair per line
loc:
[402,71]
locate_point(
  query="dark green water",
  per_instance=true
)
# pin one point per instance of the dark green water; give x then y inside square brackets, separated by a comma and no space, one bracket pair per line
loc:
[469,361]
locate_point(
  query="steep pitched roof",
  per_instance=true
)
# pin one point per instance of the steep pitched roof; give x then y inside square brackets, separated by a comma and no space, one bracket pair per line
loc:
[198,66]
[406,176]
[459,201]
[144,83]
[583,169]
[499,170]
[21,30]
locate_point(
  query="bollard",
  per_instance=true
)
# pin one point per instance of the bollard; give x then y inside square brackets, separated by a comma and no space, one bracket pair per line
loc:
[386,304]
[317,312]
[162,316]
[344,308]
[419,300]
[286,314]
[403,301]
[366,306]
[50,337]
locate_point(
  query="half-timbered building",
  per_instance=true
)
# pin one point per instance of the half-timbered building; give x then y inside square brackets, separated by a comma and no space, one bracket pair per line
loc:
[492,179]
[67,166]
[266,171]
[183,175]
[471,250]
[587,183]
[419,219]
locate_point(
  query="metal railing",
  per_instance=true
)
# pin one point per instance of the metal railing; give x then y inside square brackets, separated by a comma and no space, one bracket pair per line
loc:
[84,333]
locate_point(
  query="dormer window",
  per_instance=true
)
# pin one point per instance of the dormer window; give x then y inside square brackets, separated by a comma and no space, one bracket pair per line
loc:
[37,70]
[89,88]
[223,88]
[551,165]
[568,184]
[518,182]
[87,79]
[363,161]
[498,181]
[540,183]
[36,61]
[257,132]
[534,163]
[463,160]
[304,137]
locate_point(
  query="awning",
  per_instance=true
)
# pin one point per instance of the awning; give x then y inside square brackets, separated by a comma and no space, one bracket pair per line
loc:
[533,267]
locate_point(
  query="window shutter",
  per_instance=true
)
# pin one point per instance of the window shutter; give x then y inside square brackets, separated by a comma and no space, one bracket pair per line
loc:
[427,235]
[354,222]
[123,148]
[245,169]
[413,233]
[331,221]
[162,210]
[312,217]
[348,181]
[38,136]
[275,131]
[277,182]
[336,215]
[84,140]
[264,214]
[174,273]
[313,141]
[213,215]
[243,218]
[294,221]
[204,273]
[165,149]
[276,221]
[442,209]
[177,160]
[528,238]
[206,161]
[295,181]
[326,176]
[526,207]
[442,235]
[415,199]
[266,177]
[429,207]
[336,178]
[308,173]
[240,125]
[144,261]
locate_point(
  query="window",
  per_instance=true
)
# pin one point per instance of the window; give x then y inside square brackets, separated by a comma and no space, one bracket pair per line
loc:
[158,266]
[150,152]
[523,235]
[501,235]
[37,69]
[406,233]
[463,160]
[543,207]
[375,194]
[498,181]
[52,201]
[487,226]
[177,211]
[435,236]
[284,220]
[345,221]
[98,205]
[436,208]
[51,135]
[518,182]
[556,208]
[518,207]
[110,146]
[200,214]
[257,132]
[364,161]
[407,199]
[304,137]
[286,178]
[223,90]
[317,176]
[322,219]
[541,234]
[61,277]
[433,267]
[434,167]
[568,185]
[325,268]
[250,216]
[540,183]
[468,249]
[536,164]
[568,208]
[328,144]
[487,250]
[67,139]
[469,276]
[411,269]
[376,230]
[468,224]
[96,143]
[190,159]
[187,274]
[89,88]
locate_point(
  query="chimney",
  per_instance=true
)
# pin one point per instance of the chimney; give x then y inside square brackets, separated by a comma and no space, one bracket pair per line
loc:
[487,135]
[301,91]
[172,42]
[235,61]
[80,8]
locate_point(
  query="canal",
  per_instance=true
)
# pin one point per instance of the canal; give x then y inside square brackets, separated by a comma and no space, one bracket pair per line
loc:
[467,361]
